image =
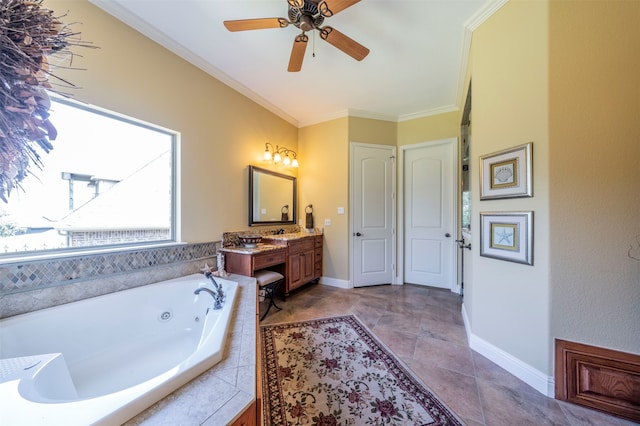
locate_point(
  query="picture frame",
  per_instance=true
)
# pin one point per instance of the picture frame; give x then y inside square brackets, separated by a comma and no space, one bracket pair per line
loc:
[507,236]
[507,173]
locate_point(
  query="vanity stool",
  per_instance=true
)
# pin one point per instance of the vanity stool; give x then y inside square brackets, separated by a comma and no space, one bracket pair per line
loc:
[269,282]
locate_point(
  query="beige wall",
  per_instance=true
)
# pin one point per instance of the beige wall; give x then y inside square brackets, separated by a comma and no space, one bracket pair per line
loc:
[370,131]
[324,183]
[221,131]
[563,75]
[508,303]
[431,128]
[594,130]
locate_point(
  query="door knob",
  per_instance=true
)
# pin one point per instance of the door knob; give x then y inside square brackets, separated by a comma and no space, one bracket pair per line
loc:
[357,234]
[448,235]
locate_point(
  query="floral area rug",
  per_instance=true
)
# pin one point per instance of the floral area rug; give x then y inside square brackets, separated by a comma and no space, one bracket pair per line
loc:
[334,371]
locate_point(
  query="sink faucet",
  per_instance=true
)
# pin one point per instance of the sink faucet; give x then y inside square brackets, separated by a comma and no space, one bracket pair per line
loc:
[218,295]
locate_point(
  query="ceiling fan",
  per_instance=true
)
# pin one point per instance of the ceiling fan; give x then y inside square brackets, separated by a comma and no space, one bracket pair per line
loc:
[307,15]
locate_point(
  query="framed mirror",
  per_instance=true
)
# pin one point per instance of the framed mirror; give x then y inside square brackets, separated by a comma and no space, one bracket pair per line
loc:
[272,198]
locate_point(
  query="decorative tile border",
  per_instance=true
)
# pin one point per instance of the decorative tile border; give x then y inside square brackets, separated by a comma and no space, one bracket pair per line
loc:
[29,286]
[46,273]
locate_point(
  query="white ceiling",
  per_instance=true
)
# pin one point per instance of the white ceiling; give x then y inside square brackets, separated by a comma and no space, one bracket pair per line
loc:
[418,53]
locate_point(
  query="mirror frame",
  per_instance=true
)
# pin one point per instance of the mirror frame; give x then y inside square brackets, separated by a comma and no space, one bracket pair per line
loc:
[293,179]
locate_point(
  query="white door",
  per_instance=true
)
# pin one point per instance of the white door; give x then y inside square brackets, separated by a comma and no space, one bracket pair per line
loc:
[373,215]
[429,214]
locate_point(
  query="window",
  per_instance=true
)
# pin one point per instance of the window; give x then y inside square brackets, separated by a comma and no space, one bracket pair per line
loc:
[109,181]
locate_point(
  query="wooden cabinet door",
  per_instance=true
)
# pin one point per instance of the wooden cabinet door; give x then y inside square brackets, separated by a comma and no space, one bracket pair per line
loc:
[295,271]
[237,263]
[307,265]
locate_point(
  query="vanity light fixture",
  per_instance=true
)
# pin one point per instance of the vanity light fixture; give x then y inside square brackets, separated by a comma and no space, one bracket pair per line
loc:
[280,154]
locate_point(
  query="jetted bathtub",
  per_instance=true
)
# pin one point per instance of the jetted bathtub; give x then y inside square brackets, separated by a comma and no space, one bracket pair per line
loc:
[105,359]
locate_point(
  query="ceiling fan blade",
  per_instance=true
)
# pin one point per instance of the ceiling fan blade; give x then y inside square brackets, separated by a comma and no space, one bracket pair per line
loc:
[256,24]
[331,7]
[344,43]
[296,3]
[297,53]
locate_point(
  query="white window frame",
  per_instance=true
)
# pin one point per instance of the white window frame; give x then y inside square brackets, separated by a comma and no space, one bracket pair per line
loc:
[111,248]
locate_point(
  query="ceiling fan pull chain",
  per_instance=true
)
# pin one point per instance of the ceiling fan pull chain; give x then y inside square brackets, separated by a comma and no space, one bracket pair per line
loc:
[313,53]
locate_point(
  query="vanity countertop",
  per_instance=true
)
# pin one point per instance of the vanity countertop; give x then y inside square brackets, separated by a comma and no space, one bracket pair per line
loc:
[292,236]
[261,247]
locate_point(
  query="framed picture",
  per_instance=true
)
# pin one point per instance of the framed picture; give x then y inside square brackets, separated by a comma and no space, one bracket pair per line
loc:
[507,174]
[507,236]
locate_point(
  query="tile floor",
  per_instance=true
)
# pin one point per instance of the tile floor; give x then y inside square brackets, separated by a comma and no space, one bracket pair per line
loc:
[424,327]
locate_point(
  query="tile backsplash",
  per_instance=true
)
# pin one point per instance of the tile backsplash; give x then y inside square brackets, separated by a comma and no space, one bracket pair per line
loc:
[230,239]
[39,284]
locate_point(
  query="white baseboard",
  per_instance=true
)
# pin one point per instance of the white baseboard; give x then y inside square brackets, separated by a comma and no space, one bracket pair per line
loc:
[335,282]
[523,371]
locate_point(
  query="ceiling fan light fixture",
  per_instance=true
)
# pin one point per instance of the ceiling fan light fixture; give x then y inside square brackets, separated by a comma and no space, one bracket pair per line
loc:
[306,23]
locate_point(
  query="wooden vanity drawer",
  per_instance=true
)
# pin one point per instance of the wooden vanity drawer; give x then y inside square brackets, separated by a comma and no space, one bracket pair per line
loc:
[301,245]
[318,240]
[268,259]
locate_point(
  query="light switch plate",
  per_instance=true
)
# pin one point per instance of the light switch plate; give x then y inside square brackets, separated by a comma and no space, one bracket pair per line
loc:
[340,210]
[327,222]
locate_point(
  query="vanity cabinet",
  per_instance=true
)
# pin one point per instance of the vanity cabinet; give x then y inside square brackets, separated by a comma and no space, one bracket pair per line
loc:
[304,260]
[248,263]
[298,258]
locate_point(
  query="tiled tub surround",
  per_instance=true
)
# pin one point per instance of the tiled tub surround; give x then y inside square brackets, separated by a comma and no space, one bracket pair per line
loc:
[174,335]
[39,284]
[217,396]
[222,393]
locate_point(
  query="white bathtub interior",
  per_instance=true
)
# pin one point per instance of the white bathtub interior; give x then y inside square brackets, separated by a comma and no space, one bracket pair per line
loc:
[103,360]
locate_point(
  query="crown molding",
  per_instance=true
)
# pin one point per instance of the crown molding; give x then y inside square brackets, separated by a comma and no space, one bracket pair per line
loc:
[130,19]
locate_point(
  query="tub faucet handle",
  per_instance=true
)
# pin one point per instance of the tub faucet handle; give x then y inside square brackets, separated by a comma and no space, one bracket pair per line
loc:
[217,300]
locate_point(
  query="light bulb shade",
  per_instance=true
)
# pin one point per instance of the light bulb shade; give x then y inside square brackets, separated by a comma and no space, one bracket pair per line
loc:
[294,163]
[267,155]
[286,160]
[276,157]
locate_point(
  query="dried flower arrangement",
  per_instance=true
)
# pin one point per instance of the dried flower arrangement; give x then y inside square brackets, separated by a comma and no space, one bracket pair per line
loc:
[28,34]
